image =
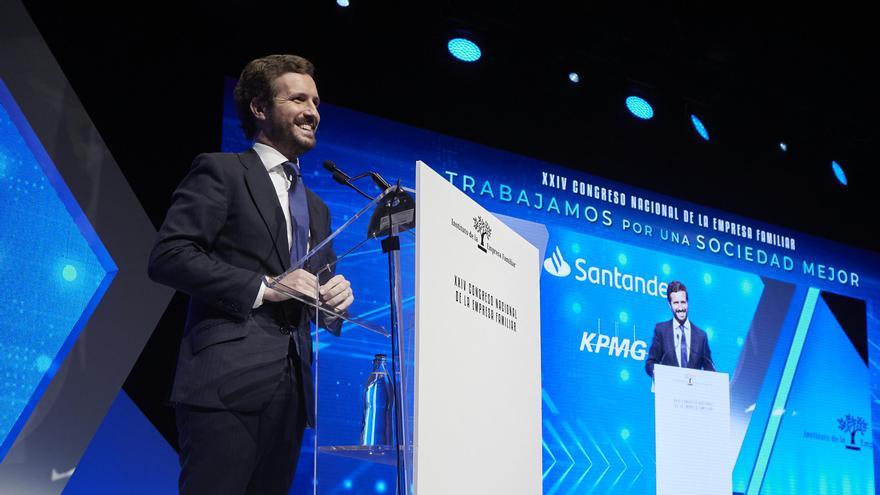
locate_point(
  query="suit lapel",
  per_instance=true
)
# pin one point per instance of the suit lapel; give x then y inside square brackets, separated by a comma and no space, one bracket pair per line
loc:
[695,332]
[671,340]
[316,222]
[266,200]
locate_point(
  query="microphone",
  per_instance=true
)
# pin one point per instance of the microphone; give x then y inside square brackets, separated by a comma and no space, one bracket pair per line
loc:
[659,361]
[343,178]
[379,181]
[333,169]
[376,178]
[712,363]
[396,210]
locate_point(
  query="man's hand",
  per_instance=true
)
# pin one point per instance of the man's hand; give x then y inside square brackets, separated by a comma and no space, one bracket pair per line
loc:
[299,281]
[337,293]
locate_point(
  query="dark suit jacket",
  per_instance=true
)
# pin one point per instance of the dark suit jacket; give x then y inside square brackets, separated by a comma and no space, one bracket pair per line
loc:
[663,349]
[224,231]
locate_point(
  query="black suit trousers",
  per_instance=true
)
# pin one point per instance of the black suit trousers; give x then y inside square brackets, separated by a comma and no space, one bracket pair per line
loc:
[225,452]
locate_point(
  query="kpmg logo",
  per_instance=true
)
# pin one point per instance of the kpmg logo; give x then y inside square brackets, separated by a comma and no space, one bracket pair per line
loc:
[556,265]
[484,230]
[852,425]
[614,346]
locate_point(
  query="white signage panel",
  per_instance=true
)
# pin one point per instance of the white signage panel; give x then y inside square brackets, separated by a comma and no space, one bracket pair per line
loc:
[692,424]
[478,349]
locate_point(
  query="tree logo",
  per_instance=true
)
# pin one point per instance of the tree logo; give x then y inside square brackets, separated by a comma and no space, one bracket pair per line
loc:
[852,425]
[484,230]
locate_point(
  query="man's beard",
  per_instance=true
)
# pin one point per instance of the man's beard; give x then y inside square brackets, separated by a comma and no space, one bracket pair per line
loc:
[291,142]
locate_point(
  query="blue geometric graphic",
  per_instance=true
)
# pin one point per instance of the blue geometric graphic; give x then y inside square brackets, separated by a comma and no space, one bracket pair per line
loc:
[821,396]
[126,455]
[779,403]
[53,269]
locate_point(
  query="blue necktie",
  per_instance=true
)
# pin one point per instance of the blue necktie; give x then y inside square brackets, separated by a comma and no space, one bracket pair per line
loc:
[684,348]
[299,213]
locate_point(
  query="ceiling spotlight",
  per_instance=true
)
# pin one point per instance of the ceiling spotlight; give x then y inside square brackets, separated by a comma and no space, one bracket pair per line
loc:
[783,146]
[574,77]
[838,172]
[342,3]
[699,127]
[464,49]
[639,107]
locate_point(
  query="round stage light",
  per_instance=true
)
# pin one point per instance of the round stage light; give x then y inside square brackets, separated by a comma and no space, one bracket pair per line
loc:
[69,273]
[639,107]
[464,49]
[574,77]
[699,127]
[838,172]
[783,146]
[342,3]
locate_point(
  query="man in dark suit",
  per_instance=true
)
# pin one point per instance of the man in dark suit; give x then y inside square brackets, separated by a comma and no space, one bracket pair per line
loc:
[678,342]
[243,390]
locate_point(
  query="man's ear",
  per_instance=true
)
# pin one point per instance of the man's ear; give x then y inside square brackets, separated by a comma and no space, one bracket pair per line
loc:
[258,109]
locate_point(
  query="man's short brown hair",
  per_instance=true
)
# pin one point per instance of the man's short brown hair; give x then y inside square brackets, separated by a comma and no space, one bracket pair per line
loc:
[256,80]
[676,286]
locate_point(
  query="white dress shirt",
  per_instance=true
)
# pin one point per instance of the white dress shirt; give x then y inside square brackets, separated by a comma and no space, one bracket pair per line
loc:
[677,334]
[273,160]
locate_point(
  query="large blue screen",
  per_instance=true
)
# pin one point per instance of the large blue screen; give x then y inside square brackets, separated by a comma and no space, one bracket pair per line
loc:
[53,270]
[790,318]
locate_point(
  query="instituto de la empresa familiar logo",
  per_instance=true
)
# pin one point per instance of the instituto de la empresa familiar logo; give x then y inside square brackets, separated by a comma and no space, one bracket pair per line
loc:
[484,230]
[852,425]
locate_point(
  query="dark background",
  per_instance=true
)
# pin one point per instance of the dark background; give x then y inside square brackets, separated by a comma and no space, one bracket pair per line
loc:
[151,78]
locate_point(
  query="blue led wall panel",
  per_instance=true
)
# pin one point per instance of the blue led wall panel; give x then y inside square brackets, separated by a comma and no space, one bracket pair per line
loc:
[127,455]
[597,325]
[827,415]
[610,252]
[53,269]
[804,385]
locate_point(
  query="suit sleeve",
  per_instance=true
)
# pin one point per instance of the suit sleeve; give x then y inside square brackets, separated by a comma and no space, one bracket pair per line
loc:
[708,364]
[181,257]
[655,353]
[330,323]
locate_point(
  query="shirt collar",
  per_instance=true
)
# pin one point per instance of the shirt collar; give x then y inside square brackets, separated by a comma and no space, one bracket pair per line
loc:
[271,157]
[687,324]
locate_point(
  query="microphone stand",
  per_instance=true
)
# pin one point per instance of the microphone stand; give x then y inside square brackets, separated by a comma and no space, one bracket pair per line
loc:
[395,212]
